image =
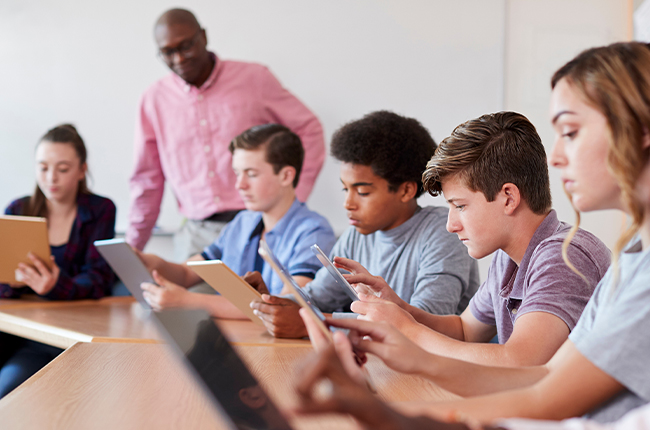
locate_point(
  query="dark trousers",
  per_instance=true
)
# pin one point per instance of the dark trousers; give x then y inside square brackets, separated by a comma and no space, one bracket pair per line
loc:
[21,358]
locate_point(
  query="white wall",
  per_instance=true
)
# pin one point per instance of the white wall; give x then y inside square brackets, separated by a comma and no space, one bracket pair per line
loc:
[541,37]
[437,60]
[88,62]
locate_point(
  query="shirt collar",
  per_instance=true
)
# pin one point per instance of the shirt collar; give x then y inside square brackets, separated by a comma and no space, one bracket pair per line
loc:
[187,88]
[547,228]
[281,226]
[400,230]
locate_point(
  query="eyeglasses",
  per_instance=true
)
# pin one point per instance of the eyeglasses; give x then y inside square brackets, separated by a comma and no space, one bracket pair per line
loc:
[184,49]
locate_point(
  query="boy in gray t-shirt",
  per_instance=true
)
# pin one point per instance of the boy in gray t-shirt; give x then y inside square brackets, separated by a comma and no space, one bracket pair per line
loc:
[492,171]
[382,158]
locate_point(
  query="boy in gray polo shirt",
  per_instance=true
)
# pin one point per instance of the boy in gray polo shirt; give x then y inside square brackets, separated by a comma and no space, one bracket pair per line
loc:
[382,156]
[492,171]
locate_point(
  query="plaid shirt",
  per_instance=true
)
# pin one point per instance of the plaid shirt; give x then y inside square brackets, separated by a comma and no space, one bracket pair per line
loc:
[84,273]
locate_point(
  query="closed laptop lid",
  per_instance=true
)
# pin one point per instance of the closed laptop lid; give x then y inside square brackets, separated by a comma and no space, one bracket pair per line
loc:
[218,369]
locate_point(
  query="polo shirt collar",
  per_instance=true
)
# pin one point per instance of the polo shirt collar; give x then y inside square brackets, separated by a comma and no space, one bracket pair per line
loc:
[546,229]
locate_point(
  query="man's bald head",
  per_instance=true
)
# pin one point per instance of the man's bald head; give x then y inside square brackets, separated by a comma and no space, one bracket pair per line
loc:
[178,16]
[182,44]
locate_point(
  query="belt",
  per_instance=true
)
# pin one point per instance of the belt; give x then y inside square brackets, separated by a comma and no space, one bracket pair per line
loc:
[225,216]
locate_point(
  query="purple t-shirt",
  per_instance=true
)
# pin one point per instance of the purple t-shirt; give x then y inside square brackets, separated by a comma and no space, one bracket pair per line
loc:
[542,282]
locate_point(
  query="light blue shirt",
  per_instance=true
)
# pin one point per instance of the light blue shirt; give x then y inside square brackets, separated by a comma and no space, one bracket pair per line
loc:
[289,240]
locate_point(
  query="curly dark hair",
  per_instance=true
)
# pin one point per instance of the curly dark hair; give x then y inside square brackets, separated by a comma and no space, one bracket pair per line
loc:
[397,148]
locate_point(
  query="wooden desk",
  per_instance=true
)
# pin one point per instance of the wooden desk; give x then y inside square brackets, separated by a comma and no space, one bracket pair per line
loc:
[135,386]
[111,319]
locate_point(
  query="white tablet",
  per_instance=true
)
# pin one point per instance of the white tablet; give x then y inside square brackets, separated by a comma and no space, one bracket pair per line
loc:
[287,280]
[228,284]
[338,278]
[126,265]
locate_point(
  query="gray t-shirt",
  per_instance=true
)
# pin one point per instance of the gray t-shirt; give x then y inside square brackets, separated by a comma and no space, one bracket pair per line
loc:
[425,264]
[542,282]
[614,332]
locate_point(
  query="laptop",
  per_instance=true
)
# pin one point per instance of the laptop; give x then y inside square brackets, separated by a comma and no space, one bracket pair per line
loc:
[126,265]
[216,367]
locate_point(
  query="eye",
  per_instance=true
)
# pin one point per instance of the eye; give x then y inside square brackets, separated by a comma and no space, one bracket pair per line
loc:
[459,207]
[570,135]
[363,194]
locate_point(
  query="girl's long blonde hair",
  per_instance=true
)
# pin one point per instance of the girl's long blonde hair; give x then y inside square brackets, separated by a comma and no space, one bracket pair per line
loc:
[615,80]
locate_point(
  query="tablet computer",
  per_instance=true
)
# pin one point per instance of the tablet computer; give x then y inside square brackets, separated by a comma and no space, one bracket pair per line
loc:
[338,278]
[21,235]
[216,368]
[228,284]
[126,265]
[302,298]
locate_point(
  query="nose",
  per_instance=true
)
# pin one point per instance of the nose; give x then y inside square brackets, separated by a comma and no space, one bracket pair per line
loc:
[52,176]
[350,202]
[453,224]
[241,183]
[557,158]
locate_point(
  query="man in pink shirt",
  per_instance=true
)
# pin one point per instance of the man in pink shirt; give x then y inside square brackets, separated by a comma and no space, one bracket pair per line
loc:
[185,123]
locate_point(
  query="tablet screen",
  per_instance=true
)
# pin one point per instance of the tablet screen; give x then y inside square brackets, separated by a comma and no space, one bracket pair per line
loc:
[303,299]
[338,278]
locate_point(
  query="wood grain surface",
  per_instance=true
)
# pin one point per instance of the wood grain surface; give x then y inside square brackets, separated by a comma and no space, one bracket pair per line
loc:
[137,386]
[111,319]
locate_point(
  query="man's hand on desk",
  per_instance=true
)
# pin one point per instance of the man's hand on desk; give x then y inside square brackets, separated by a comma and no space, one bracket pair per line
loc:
[280,316]
[39,278]
[166,294]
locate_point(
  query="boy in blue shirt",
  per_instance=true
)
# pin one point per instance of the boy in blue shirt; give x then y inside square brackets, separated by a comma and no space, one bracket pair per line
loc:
[267,160]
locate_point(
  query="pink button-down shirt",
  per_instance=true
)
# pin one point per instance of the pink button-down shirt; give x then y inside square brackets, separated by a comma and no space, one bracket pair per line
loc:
[182,136]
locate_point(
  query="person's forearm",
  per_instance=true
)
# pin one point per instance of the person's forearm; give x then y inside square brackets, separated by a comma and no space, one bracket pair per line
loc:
[179,274]
[487,354]
[470,379]
[448,325]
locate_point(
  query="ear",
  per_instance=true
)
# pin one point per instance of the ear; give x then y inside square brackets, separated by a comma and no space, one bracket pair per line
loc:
[287,174]
[205,36]
[511,197]
[84,169]
[407,191]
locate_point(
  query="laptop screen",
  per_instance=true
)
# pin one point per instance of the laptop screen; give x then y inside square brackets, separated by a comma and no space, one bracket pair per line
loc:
[218,368]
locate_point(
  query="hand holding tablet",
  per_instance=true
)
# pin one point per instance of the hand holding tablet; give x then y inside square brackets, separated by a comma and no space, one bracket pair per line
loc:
[302,298]
[21,236]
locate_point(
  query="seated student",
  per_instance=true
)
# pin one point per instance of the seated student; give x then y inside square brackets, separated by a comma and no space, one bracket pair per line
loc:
[267,160]
[383,156]
[75,219]
[600,110]
[336,365]
[492,171]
